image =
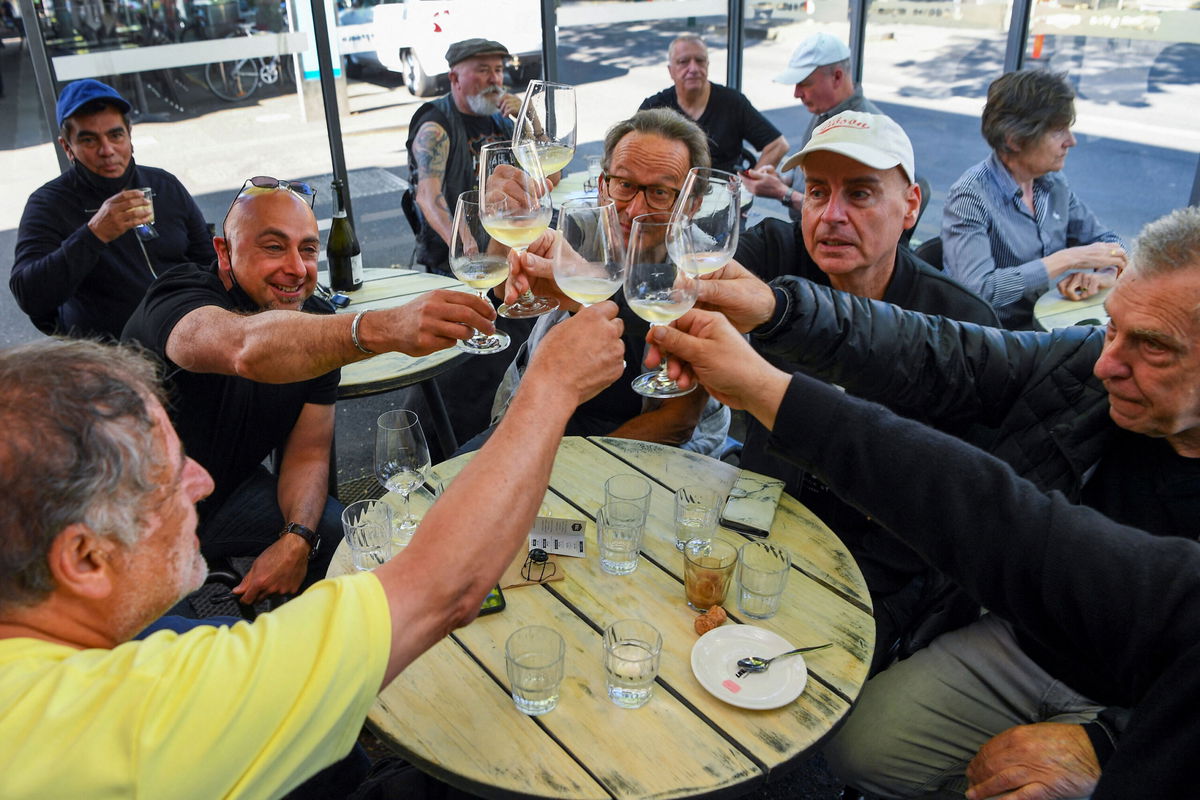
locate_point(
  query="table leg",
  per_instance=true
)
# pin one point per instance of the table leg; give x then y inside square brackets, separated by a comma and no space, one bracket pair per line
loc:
[441,420]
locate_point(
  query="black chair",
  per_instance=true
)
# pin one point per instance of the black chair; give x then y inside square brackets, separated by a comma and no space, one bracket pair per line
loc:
[408,204]
[930,251]
[906,237]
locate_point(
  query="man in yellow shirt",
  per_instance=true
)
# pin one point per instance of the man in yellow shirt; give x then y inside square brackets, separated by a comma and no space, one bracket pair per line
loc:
[97,538]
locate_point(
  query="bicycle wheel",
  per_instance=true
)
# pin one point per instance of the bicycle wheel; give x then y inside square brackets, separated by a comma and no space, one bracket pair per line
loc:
[232,80]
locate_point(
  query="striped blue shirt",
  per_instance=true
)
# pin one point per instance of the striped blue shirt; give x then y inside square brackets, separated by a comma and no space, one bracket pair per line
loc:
[992,244]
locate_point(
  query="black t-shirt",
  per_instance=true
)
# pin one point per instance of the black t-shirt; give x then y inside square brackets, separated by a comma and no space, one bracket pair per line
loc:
[618,403]
[1142,482]
[728,119]
[228,424]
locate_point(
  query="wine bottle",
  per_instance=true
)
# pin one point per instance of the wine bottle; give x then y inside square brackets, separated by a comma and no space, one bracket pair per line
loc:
[342,250]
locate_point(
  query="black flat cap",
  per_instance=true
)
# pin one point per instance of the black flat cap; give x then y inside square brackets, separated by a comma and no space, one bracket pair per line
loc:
[469,48]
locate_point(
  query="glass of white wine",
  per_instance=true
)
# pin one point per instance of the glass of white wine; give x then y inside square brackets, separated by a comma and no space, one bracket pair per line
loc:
[548,120]
[514,205]
[589,251]
[657,289]
[479,264]
[708,215]
[401,463]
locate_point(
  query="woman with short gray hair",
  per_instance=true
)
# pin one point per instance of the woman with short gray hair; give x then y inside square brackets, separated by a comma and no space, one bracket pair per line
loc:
[1011,224]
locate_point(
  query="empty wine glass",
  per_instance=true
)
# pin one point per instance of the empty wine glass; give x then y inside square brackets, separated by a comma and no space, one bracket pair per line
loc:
[657,289]
[708,215]
[548,120]
[478,263]
[514,205]
[589,251]
[401,462]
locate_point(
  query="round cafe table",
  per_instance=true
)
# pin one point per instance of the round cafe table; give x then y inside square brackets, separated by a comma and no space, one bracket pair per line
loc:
[1052,310]
[450,712]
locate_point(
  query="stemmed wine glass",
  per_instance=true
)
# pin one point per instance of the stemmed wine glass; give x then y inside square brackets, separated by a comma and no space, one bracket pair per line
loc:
[589,251]
[547,120]
[473,262]
[657,289]
[401,462]
[708,214]
[514,206]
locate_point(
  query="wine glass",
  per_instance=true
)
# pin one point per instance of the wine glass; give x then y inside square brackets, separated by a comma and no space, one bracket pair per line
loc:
[589,251]
[401,462]
[474,260]
[547,120]
[708,214]
[514,206]
[657,289]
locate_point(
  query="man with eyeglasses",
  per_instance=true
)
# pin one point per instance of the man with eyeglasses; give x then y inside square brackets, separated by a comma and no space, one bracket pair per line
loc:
[646,160]
[80,268]
[250,376]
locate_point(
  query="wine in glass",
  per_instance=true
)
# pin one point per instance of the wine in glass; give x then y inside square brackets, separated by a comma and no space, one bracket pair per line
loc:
[401,463]
[547,120]
[589,250]
[708,215]
[478,263]
[514,206]
[657,289]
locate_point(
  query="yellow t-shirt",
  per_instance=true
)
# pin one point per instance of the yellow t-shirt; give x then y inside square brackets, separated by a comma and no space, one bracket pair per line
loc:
[249,711]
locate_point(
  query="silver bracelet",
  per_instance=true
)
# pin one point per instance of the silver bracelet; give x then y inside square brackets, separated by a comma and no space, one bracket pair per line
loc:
[354,333]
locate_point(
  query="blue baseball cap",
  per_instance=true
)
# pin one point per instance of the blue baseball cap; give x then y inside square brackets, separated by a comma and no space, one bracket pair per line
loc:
[78,93]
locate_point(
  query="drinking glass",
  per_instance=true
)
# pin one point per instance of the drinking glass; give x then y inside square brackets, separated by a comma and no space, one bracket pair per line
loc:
[589,250]
[367,525]
[697,510]
[619,530]
[707,216]
[548,120]
[707,569]
[514,206]
[475,262]
[533,659]
[657,289]
[629,489]
[146,231]
[763,570]
[631,657]
[401,461]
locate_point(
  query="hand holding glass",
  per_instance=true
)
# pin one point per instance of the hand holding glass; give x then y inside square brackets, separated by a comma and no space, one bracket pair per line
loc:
[401,461]
[589,252]
[472,263]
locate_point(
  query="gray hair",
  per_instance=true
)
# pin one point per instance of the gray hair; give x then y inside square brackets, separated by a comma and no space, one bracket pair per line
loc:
[78,449]
[1023,106]
[664,122]
[843,65]
[1168,244]
[685,37]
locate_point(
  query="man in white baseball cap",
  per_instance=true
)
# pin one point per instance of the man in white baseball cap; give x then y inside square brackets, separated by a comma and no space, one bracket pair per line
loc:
[820,70]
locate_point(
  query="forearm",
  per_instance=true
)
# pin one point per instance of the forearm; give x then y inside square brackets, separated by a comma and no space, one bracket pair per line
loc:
[672,423]
[303,489]
[772,153]
[482,518]
[289,346]
[435,209]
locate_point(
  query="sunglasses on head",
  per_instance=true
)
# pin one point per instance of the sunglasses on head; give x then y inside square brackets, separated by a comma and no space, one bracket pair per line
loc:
[267,182]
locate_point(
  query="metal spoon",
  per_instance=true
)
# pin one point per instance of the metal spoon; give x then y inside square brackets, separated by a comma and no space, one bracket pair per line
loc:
[756,664]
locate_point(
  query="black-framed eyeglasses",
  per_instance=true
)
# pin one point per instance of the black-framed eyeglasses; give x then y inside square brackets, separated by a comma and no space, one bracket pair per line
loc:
[538,567]
[658,197]
[301,188]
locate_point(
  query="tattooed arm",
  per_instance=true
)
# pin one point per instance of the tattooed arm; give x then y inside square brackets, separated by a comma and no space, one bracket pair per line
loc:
[431,149]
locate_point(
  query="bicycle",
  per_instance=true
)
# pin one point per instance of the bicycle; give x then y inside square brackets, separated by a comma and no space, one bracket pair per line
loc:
[238,79]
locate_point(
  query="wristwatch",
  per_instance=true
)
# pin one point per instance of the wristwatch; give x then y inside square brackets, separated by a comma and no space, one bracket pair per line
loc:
[787,198]
[307,534]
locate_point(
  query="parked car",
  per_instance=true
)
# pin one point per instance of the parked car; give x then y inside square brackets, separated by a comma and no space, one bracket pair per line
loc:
[411,37]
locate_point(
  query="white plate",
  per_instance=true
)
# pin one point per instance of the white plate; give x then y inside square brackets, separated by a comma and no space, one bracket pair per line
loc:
[714,663]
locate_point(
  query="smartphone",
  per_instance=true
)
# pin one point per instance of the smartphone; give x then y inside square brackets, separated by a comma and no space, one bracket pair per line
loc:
[750,508]
[493,602]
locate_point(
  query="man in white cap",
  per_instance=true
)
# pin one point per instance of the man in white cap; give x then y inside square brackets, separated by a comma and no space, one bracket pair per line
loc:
[820,70]
[860,198]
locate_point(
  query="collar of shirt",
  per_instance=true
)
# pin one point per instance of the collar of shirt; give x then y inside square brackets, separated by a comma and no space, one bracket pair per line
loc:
[1010,189]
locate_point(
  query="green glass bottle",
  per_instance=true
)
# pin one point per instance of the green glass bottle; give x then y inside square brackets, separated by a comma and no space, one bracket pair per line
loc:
[342,250]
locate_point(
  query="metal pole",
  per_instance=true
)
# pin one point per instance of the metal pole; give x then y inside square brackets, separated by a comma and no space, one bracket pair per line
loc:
[549,41]
[736,43]
[333,123]
[1195,199]
[43,73]
[1018,35]
[858,38]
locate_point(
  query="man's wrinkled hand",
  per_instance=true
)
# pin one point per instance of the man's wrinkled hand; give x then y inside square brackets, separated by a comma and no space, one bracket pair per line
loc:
[510,105]
[119,213]
[584,353]
[764,182]
[278,570]
[533,270]
[738,294]
[1082,285]
[1043,761]
[436,321]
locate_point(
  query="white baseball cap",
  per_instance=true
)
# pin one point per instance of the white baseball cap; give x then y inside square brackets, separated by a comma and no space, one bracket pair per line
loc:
[815,51]
[871,139]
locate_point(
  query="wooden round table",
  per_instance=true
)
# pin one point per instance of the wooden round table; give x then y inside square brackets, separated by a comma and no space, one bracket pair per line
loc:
[1052,310]
[450,712]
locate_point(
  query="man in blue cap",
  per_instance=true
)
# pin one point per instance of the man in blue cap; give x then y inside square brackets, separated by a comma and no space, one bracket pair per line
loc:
[80,268]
